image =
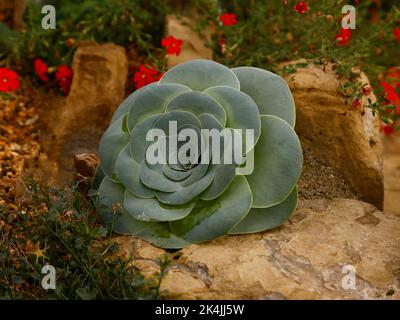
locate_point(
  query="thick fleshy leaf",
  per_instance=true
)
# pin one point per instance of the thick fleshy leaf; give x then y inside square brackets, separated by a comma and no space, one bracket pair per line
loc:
[224,175]
[201,74]
[152,100]
[153,177]
[138,142]
[111,196]
[111,144]
[128,172]
[182,118]
[261,219]
[269,91]
[188,193]
[125,106]
[175,175]
[153,210]
[278,162]
[212,219]
[241,111]
[198,103]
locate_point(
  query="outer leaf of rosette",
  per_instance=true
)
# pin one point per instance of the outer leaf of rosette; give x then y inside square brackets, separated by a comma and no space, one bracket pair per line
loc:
[109,206]
[212,219]
[114,139]
[147,101]
[261,219]
[278,161]
[200,74]
[269,91]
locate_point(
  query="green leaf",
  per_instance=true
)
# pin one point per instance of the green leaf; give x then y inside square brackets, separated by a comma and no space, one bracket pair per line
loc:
[198,103]
[269,91]
[111,144]
[138,143]
[128,172]
[187,193]
[111,195]
[147,101]
[211,219]
[278,162]
[152,210]
[241,111]
[224,175]
[261,219]
[201,74]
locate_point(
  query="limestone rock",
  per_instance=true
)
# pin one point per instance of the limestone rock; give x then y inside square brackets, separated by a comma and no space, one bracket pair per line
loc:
[307,258]
[391,163]
[193,46]
[346,138]
[76,124]
[86,164]
[11,13]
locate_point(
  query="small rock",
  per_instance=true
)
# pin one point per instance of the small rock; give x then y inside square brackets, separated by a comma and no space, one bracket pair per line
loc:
[86,164]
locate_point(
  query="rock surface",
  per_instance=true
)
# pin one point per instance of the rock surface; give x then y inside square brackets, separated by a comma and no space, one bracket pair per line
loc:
[75,124]
[391,163]
[303,259]
[344,137]
[193,46]
[11,13]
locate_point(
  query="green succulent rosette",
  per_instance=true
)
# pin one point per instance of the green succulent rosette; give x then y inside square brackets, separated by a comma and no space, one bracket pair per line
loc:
[173,205]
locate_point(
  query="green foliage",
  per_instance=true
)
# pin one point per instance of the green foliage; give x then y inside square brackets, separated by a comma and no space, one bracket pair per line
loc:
[62,224]
[172,205]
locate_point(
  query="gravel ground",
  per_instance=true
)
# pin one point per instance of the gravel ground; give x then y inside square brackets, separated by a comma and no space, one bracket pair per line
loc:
[319,180]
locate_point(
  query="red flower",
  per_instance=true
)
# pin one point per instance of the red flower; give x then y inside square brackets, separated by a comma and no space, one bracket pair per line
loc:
[396,32]
[9,80]
[228,19]
[391,94]
[301,7]
[356,103]
[366,90]
[146,75]
[393,77]
[64,77]
[387,130]
[172,45]
[41,69]
[344,36]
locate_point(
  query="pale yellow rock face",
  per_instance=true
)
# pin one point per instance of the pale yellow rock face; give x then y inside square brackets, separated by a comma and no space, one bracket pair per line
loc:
[193,46]
[346,138]
[75,124]
[303,259]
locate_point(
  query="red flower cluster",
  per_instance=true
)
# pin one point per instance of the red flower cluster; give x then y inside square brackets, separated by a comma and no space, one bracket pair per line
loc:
[172,45]
[396,32]
[146,75]
[387,130]
[343,38]
[41,69]
[301,7]
[228,19]
[393,77]
[64,78]
[9,80]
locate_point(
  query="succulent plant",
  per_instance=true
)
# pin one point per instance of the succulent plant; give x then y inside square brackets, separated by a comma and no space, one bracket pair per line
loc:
[173,205]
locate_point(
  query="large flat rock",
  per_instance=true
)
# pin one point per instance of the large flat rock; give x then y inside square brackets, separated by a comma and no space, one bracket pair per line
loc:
[308,257]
